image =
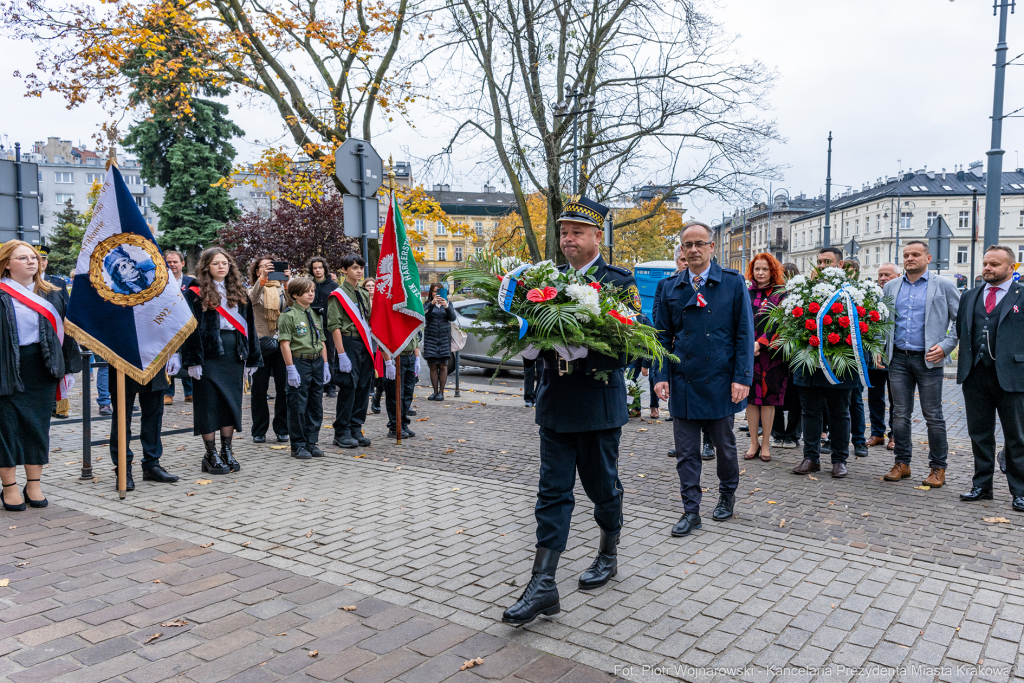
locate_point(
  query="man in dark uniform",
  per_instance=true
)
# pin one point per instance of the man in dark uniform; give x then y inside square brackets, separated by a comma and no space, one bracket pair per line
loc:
[151,402]
[580,419]
[58,282]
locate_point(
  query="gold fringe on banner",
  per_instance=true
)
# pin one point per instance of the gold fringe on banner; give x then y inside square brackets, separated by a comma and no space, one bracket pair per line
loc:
[63,407]
[118,363]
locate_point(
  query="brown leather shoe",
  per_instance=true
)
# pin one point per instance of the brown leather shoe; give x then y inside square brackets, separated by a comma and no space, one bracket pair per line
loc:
[935,478]
[807,466]
[839,470]
[876,441]
[168,400]
[891,445]
[899,471]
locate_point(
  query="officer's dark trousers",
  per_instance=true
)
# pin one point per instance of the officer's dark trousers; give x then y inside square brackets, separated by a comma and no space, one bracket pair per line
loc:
[408,387]
[984,399]
[595,456]
[306,403]
[152,405]
[688,462]
[273,366]
[833,403]
[354,389]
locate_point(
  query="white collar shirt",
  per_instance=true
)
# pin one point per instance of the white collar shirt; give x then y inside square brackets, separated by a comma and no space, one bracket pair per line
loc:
[1001,290]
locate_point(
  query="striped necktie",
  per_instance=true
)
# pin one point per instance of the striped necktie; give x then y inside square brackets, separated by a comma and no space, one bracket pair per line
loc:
[697,280]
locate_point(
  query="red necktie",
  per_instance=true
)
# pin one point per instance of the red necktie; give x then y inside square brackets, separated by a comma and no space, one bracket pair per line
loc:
[990,299]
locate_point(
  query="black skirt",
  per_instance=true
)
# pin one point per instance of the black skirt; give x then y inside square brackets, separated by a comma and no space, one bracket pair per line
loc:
[217,396]
[25,415]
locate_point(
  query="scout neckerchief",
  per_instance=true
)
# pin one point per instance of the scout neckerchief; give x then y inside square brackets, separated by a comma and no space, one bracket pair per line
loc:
[44,308]
[355,313]
[313,328]
[234,317]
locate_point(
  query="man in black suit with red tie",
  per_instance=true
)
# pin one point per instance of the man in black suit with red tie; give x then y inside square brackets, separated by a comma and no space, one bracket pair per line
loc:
[990,325]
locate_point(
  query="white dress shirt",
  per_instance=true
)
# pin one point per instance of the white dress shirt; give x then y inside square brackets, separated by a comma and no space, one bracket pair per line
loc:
[703,276]
[584,269]
[27,321]
[1001,290]
[223,291]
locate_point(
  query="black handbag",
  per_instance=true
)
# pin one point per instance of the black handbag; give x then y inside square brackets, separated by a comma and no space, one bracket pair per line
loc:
[268,346]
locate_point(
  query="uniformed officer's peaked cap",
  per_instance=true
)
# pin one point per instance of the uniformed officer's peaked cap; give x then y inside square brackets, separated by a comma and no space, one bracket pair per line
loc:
[583,210]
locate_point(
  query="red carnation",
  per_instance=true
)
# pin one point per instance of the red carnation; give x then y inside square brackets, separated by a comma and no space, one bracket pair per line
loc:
[844,321]
[849,340]
[595,285]
[861,311]
[798,312]
[837,307]
[813,341]
[863,327]
[827,319]
[810,325]
[875,316]
[813,307]
[621,318]
[542,295]
[833,338]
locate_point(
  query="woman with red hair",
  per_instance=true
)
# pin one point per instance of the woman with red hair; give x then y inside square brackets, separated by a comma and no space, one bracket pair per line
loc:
[771,372]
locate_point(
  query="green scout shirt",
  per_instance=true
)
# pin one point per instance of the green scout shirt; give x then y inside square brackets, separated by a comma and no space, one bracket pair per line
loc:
[337,318]
[293,327]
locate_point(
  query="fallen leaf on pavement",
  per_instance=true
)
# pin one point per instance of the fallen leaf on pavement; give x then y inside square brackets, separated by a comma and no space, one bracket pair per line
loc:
[13,527]
[157,581]
[204,482]
[831,502]
[471,422]
[302,500]
[151,638]
[246,544]
[176,622]
[812,477]
[191,494]
[641,475]
[755,490]
[181,448]
[924,487]
[58,449]
[206,545]
[865,514]
[282,634]
[642,429]
[278,448]
[461,440]
[782,523]
[743,471]
[470,663]
[449,450]
[996,520]
[455,489]
[772,502]
[314,653]
[398,468]
[362,455]
[349,608]
[73,462]
[309,534]
[323,500]
[22,564]
[95,480]
[4,583]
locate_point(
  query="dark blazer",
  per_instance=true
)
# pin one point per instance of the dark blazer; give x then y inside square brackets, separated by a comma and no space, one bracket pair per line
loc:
[715,343]
[186,282]
[61,284]
[60,360]
[205,339]
[1009,337]
[578,401]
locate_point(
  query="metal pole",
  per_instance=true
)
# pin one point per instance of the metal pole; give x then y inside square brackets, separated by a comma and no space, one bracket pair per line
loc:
[826,239]
[993,186]
[122,438]
[457,394]
[86,415]
[974,235]
[575,147]
[899,221]
[770,200]
[364,242]
[398,398]
[17,192]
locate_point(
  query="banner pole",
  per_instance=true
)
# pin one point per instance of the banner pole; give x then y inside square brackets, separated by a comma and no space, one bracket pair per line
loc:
[122,435]
[398,398]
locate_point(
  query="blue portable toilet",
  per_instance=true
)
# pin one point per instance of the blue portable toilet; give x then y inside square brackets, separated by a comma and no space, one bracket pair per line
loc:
[647,275]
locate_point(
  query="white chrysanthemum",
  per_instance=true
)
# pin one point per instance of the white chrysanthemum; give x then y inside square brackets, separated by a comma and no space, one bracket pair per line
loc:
[586,297]
[883,310]
[876,290]
[857,294]
[509,263]
[823,290]
[833,273]
[796,281]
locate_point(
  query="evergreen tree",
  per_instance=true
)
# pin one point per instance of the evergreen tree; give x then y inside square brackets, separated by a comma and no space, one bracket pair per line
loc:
[65,241]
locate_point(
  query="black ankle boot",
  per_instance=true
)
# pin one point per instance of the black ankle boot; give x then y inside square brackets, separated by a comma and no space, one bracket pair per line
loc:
[228,455]
[541,594]
[212,463]
[605,566]
[375,402]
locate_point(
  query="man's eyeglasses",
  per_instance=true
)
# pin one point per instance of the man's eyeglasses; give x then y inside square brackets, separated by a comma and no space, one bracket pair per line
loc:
[25,259]
[686,246]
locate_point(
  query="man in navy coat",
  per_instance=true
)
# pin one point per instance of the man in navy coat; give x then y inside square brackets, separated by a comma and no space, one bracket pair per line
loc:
[580,417]
[705,318]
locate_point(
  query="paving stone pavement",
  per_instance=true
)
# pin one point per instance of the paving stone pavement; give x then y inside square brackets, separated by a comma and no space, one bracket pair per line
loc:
[443,525]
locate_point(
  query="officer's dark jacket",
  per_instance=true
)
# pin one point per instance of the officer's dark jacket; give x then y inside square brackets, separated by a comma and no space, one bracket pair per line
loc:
[714,343]
[578,402]
[1008,340]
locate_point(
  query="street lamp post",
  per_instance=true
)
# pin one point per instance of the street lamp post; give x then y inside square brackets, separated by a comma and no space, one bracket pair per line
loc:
[575,104]
[826,239]
[993,186]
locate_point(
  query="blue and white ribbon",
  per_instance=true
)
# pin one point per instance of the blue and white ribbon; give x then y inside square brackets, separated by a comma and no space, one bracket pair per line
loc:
[858,347]
[508,290]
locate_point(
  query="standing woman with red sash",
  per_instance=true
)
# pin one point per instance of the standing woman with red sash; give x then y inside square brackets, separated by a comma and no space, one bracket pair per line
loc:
[36,364]
[223,348]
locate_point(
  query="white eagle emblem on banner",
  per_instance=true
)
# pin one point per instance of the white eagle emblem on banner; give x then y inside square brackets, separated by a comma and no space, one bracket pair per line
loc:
[385,275]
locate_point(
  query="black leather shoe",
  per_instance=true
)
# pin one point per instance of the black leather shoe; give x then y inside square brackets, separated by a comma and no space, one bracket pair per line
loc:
[282,438]
[411,413]
[406,433]
[41,503]
[345,442]
[723,511]
[708,452]
[977,493]
[839,470]
[157,473]
[301,453]
[687,523]
[228,455]
[672,453]
[20,507]
[331,391]
[360,439]
[807,466]
[212,462]
[605,565]
[861,450]
[826,446]
[1001,460]
[259,439]
[129,483]
[1018,503]
[315,451]
[541,594]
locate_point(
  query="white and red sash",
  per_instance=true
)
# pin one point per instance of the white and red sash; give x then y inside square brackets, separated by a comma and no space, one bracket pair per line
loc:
[234,317]
[43,308]
[357,317]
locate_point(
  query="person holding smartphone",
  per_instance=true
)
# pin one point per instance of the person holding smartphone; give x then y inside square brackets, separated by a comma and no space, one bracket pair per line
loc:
[437,338]
[269,300]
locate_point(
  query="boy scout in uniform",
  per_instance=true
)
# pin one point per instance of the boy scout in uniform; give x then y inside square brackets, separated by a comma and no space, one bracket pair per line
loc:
[410,371]
[354,360]
[305,357]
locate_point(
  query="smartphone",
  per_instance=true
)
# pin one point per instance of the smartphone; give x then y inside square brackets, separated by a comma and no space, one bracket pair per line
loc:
[442,291]
[278,273]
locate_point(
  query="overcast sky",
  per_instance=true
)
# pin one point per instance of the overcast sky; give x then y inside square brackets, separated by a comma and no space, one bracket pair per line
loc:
[907,80]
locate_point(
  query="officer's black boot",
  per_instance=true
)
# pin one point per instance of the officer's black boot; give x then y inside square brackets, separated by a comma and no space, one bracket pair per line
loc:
[212,463]
[541,594]
[228,455]
[605,566]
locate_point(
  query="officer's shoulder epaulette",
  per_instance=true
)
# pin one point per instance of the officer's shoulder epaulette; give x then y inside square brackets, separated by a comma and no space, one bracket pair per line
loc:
[620,271]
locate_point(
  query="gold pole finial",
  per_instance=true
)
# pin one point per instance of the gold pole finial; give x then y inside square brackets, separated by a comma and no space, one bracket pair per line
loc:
[391,173]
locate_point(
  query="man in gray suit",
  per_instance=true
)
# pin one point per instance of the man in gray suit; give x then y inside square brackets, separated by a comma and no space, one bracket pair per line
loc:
[925,334]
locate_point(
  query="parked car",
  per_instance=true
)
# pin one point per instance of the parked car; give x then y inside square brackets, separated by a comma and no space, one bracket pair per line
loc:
[476,352]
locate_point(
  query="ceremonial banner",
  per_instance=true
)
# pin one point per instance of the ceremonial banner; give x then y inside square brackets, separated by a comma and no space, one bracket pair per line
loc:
[397,311]
[121,307]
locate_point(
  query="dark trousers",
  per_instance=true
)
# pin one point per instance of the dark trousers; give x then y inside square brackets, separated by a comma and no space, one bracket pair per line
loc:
[408,387]
[687,435]
[186,386]
[907,374]
[152,405]
[877,394]
[790,408]
[595,455]
[532,373]
[306,403]
[354,389]
[857,425]
[273,366]
[836,402]
[983,399]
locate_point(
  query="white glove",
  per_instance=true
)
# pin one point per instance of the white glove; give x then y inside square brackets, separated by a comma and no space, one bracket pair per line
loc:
[344,364]
[416,366]
[293,376]
[530,353]
[69,380]
[249,372]
[173,364]
[571,353]
[327,373]
[196,372]
[389,369]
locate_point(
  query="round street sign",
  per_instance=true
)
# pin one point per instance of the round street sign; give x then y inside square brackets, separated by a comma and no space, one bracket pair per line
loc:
[346,167]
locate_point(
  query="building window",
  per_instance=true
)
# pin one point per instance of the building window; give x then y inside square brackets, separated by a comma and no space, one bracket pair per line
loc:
[418,224]
[479,251]
[479,227]
[878,223]
[142,202]
[442,254]
[94,178]
[257,194]
[458,253]
[878,256]
[132,180]
[440,229]
[932,215]
[63,177]
[63,199]
[961,255]
[1020,223]
[856,226]
[963,219]
[1020,253]
[905,220]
